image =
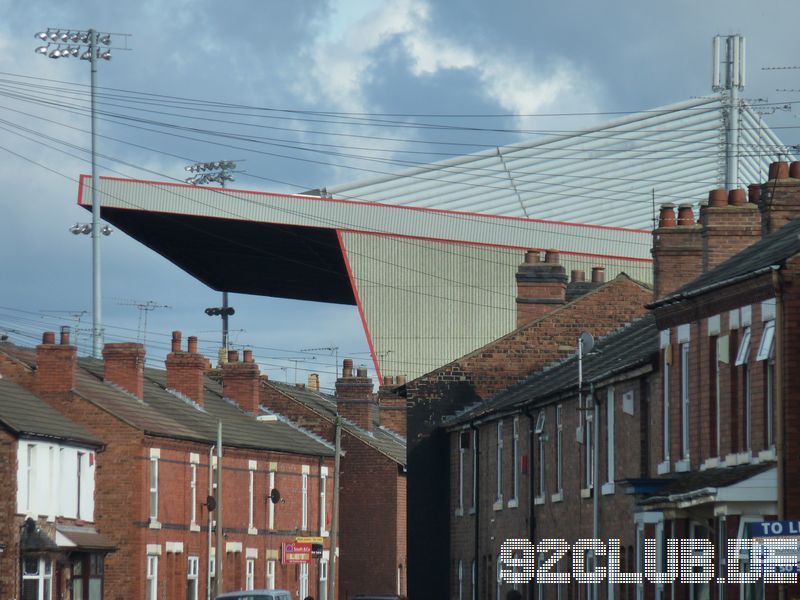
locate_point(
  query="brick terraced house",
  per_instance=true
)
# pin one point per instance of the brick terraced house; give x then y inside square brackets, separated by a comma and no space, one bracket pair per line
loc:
[154,431]
[372,502]
[551,313]
[702,441]
[49,544]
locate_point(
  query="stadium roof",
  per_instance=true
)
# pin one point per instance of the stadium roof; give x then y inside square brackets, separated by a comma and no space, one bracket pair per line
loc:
[605,175]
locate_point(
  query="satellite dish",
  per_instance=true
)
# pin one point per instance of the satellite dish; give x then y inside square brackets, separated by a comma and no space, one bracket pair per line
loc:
[275,496]
[586,341]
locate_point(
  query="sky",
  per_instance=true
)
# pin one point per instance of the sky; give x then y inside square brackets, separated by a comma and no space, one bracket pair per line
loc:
[471,64]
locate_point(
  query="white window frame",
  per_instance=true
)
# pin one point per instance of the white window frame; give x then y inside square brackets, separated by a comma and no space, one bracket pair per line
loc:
[589,426]
[270,579]
[766,346]
[474,445]
[514,499]
[303,580]
[43,577]
[152,577]
[770,400]
[667,361]
[250,573]
[251,485]
[559,449]
[323,495]
[193,487]
[610,441]
[460,580]
[270,504]
[153,489]
[743,354]
[474,579]
[541,438]
[461,452]
[304,502]
[499,570]
[685,400]
[192,571]
[499,461]
[30,482]
[323,579]
[718,393]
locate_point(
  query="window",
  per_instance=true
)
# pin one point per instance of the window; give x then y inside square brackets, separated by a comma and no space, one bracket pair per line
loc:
[540,481]
[304,507]
[250,492]
[323,580]
[78,471]
[461,452]
[748,410]
[515,461]
[610,435]
[743,355]
[153,488]
[589,449]
[37,578]
[665,433]
[250,574]
[499,577]
[717,397]
[323,482]
[460,581]
[303,580]
[770,394]
[474,579]
[685,400]
[767,341]
[31,478]
[559,454]
[271,574]
[193,487]
[87,574]
[192,581]
[152,578]
[474,444]
[270,505]
[499,495]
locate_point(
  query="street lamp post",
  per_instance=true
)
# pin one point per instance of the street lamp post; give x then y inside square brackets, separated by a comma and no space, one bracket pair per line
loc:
[60,43]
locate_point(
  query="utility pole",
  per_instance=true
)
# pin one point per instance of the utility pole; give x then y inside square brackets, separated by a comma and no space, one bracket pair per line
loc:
[335,517]
[729,75]
[65,44]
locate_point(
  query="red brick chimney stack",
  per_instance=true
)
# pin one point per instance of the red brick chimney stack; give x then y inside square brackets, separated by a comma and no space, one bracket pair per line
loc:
[391,406]
[55,364]
[123,365]
[677,250]
[354,398]
[780,196]
[541,286]
[241,381]
[185,370]
[730,224]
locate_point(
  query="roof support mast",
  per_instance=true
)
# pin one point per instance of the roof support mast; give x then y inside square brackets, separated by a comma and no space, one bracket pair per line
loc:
[729,76]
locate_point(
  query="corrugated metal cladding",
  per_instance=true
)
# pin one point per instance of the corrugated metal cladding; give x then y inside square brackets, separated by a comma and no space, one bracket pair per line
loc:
[606,175]
[368,217]
[427,303]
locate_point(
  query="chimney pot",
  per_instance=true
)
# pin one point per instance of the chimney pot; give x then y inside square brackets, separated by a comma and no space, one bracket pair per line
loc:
[388,380]
[347,367]
[779,170]
[666,216]
[233,356]
[532,257]
[794,170]
[65,335]
[718,197]
[551,257]
[685,215]
[754,193]
[577,275]
[361,372]
[49,337]
[313,381]
[248,355]
[598,274]
[192,346]
[176,341]
[737,197]
[400,380]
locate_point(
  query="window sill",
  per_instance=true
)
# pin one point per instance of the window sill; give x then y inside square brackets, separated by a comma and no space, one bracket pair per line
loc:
[324,533]
[663,467]
[498,504]
[252,531]
[194,527]
[459,512]
[586,492]
[154,524]
[472,510]
[539,500]
[711,463]
[558,497]
[607,489]
[682,466]
[767,455]
[513,503]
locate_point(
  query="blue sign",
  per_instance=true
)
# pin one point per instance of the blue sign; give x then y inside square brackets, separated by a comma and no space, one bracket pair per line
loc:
[774,528]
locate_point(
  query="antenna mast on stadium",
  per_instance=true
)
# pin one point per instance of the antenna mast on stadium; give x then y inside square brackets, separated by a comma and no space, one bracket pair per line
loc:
[729,75]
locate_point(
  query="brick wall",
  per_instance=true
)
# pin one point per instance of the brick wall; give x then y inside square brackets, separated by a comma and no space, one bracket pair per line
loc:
[9,526]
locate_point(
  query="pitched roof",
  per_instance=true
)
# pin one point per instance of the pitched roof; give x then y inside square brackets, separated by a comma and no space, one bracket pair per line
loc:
[26,414]
[387,442]
[771,251]
[623,350]
[168,414]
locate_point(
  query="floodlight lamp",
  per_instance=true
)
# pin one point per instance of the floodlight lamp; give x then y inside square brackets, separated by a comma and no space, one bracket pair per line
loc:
[55,54]
[75,37]
[75,229]
[64,37]
[106,230]
[86,229]
[74,51]
[84,38]
[86,55]
[105,40]
[42,35]
[106,55]
[41,50]
[53,35]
